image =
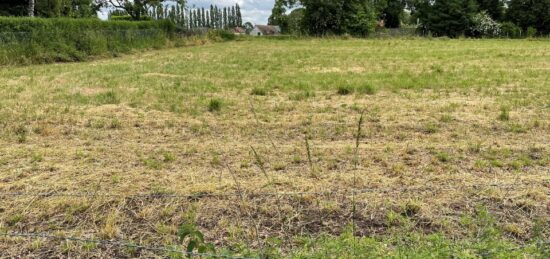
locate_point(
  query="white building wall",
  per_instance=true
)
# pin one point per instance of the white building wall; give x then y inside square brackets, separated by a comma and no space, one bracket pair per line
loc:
[256,32]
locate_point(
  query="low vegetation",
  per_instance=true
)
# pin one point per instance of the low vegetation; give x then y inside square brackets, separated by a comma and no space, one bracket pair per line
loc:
[315,148]
[35,40]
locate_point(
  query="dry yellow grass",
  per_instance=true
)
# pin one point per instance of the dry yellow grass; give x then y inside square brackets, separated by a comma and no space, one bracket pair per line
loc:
[433,147]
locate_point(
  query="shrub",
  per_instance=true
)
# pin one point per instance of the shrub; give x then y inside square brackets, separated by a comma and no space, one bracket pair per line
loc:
[485,26]
[531,32]
[510,30]
[220,35]
[37,40]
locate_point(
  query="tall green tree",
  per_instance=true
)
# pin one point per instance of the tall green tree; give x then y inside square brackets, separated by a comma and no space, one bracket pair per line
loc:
[14,7]
[295,19]
[137,9]
[356,17]
[239,16]
[212,17]
[278,14]
[323,17]
[233,17]
[446,17]
[530,13]
[393,12]
[48,8]
[495,8]
[225,18]
[203,18]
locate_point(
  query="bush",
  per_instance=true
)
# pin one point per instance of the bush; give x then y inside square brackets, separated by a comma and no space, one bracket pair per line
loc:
[510,30]
[36,40]
[128,18]
[484,26]
[531,32]
[220,35]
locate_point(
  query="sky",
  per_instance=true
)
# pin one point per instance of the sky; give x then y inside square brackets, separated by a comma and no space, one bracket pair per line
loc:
[254,11]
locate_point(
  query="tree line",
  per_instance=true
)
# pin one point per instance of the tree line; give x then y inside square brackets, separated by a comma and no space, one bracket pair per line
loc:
[453,18]
[214,17]
[49,8]
[174,10]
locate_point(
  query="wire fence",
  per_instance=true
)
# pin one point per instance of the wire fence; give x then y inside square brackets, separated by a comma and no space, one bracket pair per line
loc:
[117,243]
[401,189]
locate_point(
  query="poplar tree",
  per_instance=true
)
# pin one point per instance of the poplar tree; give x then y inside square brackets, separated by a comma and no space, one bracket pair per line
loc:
[232,17]
[239,16]
[211,16]
[216,20]
[203,17]
[225,18]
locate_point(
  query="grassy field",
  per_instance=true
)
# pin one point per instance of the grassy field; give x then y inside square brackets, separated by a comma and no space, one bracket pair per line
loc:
[256,143]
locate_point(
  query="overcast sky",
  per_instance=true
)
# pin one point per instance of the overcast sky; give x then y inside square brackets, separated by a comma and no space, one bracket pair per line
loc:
[254,11]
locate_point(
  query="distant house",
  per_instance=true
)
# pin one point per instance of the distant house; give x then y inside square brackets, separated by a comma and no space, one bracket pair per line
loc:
[266,30]
[238,31]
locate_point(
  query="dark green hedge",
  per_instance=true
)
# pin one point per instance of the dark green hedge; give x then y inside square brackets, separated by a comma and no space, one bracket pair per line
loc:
[37,40]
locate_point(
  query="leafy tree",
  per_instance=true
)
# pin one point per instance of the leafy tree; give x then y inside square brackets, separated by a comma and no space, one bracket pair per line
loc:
[239,15]
[14,7]
[294,20]
[530,13]
[190,19]
[446,17]
[193,21]
[357,17]
[248,26]
[494,8]
[393,12]
[483,25]
[137,9]
[220,18]
[48,8]
[212,17]
[323,17]
[225,18]
[278,14]
[203,18]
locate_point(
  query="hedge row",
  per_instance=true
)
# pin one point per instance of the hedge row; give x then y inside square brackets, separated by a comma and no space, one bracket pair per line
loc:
[37,40]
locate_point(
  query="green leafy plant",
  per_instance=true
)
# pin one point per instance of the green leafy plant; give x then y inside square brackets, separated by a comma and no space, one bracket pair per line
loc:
[504,114]
[193,239]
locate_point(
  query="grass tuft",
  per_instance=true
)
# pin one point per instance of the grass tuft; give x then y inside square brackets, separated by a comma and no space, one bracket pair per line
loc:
[215,105]
[504,114]
[259,91]
[345,90]
[367,89]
